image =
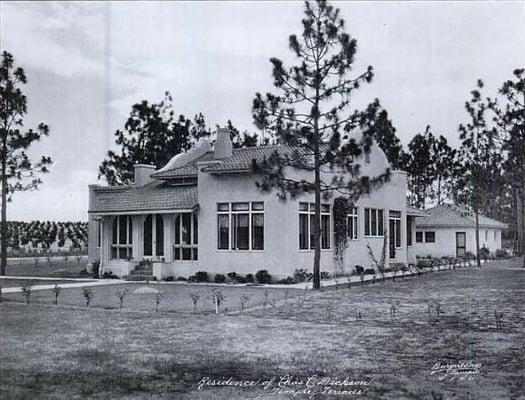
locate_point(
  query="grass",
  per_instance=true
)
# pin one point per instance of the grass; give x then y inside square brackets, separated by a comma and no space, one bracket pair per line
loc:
[52,352]
[8,283]
[54,269]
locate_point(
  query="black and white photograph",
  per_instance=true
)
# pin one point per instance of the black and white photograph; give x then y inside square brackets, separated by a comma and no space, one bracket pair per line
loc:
[317,200]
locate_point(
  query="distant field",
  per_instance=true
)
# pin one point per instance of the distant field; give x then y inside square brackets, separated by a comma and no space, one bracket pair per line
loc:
[50,352]
[7,283]
[42,268]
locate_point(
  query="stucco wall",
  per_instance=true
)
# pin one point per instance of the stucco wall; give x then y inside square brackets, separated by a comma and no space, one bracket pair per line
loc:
[445,244]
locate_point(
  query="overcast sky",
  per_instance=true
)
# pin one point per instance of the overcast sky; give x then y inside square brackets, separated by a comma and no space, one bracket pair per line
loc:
[87,63]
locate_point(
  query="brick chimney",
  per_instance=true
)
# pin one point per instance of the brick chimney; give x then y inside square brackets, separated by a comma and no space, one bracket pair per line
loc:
[143,173]
[223,144]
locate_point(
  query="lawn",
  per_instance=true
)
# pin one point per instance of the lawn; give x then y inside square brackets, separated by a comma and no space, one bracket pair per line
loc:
[8,283]
[70,352]
[53,268]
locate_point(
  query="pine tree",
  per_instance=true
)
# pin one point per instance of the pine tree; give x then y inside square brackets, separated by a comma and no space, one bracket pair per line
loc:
[445,165]
[420,167]
[18,172]
[480,157]
[309,114]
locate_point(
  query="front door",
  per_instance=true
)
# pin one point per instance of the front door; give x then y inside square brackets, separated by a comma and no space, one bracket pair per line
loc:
[392,238]
[461,244]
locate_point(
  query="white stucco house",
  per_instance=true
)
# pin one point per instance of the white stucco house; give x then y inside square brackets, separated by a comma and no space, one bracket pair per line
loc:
[450,231]
[203,212]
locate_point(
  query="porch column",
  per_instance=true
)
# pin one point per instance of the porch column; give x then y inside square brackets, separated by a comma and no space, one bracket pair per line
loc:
[106,224]
[169,239]
[138,236]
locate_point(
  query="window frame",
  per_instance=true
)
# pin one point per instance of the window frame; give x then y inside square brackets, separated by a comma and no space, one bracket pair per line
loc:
[353,216]
[372,215]
[193,246]
[308,209]
[154,243]
[422,237]
[254,208]
[434,236]
[396,217]
[116,246]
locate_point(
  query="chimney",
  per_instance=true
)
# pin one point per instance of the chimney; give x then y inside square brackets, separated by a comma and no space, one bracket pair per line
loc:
[143,173]
[223,144]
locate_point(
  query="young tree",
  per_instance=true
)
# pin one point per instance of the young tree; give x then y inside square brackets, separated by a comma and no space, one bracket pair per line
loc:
[153,134]
[420,167]
[445,165]
[510,120]
[18,172]
[480,157]
[310,115]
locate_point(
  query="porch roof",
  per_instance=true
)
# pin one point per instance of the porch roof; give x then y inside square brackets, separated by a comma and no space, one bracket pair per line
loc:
[154,196]
[416,212]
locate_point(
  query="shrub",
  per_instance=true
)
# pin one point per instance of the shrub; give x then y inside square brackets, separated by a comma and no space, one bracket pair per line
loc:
[263,276]
[359,269]
[325,275]
[202,276]
[193,278]
[370,271]
[158,297]
[169,278]
[220,278]
[287,281]
[232,276]
[56,291]
[302,275]
[88,295]
[250,278]
[241,279]
[121,296]
[109,275]
[181,279]
[501,253]
[469,256]
[484,253]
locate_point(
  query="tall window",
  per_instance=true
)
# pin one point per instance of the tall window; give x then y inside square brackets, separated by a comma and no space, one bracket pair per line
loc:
[495,235]
[374,224]
[240,226]
[352,223]
[306,226]
[430,237]
[153,235]
[99,233]
[395,228]
[186,237]
[419,237]
[122,237]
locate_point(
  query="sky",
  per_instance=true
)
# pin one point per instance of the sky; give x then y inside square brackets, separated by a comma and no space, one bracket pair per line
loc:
[87,63]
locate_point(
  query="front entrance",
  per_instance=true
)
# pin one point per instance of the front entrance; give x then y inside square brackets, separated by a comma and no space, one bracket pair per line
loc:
[461,244]
[394,233]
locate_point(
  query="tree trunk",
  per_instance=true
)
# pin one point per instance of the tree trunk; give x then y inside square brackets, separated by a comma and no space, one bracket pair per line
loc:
[439,191]
[478,261]
[3,222]
[517,246]
[317,226]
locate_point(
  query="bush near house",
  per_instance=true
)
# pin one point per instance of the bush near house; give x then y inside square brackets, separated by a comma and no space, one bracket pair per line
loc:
[263,276]
[220,278]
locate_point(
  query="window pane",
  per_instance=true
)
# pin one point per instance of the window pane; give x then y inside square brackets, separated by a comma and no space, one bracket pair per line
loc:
[398,233]
[176,253]
[303,231]
[257,231]
[258,206]
[186,253]
[122,229]
[130,230]
[325,231]
[380,229]
[430,237]
[195,229]
[241,231]
[223,207]
[114,231]
[240,206]
[195,253]
[130,252]
[159,236]
[177,229]
[356,227]
[350,227]
[395,214]
[367,222]
[303,206]
[223,226]
[148,226]
[374,222]
[113,252]
[312,230]
[122,252]
[186,228]
[409,231]
[419,237]
[99,233]
[325,208]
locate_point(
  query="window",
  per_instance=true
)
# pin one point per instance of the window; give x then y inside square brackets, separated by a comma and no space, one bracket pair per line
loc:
[486,235]
[374,224]
[153,236]
[495,235]
[186,237]
[352,224]
[419,237]
[430,237]
[395,228]
[240,226]
[409,231]
[122,237]
[306,226]
[99,233]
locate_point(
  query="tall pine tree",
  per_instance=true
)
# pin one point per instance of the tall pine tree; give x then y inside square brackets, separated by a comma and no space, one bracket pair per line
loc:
[310,113]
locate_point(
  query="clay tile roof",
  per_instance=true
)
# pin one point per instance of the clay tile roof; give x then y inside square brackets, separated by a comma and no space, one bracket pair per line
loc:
[449,215]
[156,195]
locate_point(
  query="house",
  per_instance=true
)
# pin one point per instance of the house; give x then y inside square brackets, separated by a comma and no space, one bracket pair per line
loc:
[449,230]
[203,211]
